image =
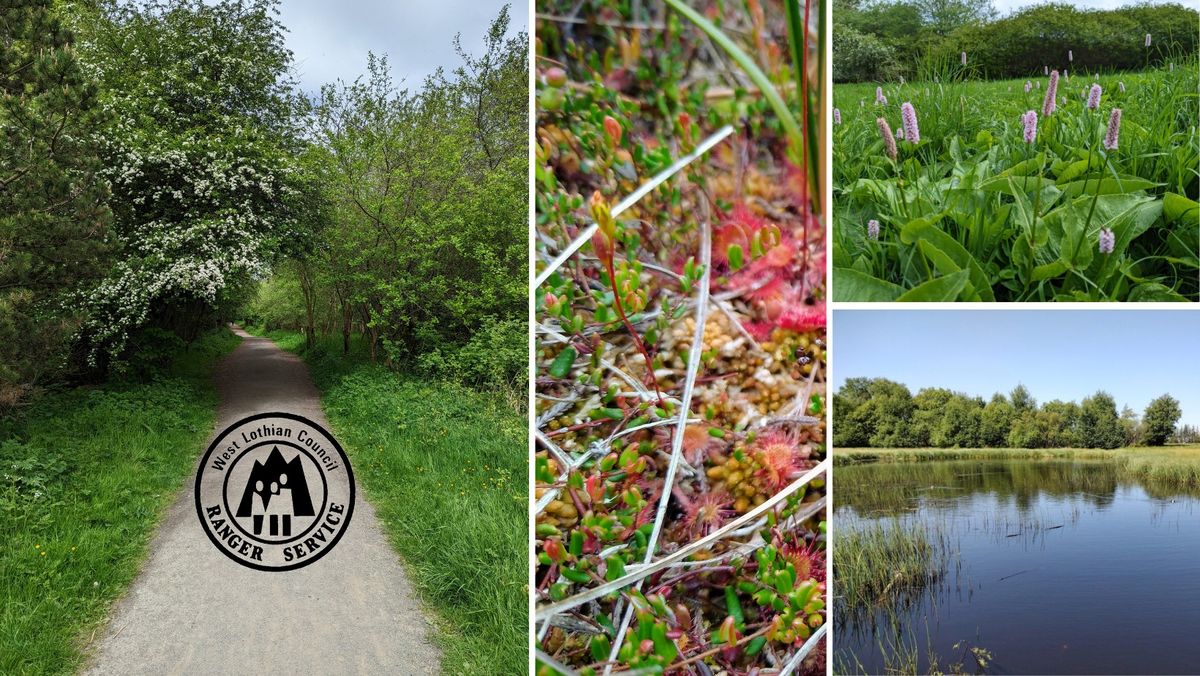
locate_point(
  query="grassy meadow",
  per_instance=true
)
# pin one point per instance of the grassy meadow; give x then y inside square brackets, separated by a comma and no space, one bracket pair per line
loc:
[445,467]
[974,212]
[85,475]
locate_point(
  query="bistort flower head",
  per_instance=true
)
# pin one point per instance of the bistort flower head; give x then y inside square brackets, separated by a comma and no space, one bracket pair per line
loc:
[1028,86]
[873,229]
[1048,104]
[1108,240]
[1147,39]
[1070,56]
[889,141]
[879,97]
[963,58]
[837,116]
[1029,119]
[1121,86]
[908,114]
[1093,99]
[1114,130]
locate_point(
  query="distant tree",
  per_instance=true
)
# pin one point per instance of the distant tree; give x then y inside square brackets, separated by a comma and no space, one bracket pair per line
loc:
[1021,399]
[1100,427]
[1161,416]
[53,209]
[960,426]
[1131,426]
[945,16]
[1066,433]
[996,421]
[873,412]
[929,407]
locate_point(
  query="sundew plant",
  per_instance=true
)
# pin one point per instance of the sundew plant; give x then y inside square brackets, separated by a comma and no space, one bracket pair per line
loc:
[680,324]
[1063,185]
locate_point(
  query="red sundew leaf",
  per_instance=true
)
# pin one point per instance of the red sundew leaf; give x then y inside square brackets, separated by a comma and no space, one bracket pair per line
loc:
[803,318]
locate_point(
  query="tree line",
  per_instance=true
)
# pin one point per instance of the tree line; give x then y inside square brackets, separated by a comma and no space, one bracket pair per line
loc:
[877,412]
[883,40]
[159,167]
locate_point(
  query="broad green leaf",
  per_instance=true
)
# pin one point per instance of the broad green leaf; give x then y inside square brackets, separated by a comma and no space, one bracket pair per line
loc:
[1049,270]
[1077,247]
[1128,216]
[1179,209]
[920,230]
[1153,291]
[945,265]
[1107,186]
[854,286]
[939,290]
[1027,183]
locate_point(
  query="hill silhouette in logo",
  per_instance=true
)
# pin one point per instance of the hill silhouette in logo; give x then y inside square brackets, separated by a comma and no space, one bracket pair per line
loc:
[271,470]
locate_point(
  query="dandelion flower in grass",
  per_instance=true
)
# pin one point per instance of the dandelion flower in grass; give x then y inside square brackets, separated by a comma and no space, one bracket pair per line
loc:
[912,132]
[1028,86]
[1051,95]
[837,116]
[889,141]
[1108,240]
[1147,39]
[1114,130]
[1093,99]
[1029,120]
[879,97]
[873,229]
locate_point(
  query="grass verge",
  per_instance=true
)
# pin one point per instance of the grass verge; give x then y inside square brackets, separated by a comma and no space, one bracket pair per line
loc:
[1176,465]
[445,467]
[85,474]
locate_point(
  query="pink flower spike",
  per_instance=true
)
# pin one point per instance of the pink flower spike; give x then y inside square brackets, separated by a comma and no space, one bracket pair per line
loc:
[1070,56]
[1048,104]
[1028,86]
[908,114]
[873,229]
[963,57]
[1108,240]
[837,116]
[1114,130]
[889,141]
[880,99]
[1093,99]
[1030,121]
[1147,40]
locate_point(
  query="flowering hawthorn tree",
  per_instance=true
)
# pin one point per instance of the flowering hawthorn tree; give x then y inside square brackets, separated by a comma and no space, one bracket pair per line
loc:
[205,190]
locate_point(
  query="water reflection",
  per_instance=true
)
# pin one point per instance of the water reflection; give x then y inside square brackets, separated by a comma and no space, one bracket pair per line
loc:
[1052,566]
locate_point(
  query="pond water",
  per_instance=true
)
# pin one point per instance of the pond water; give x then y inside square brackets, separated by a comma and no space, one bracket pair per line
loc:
[1053,567]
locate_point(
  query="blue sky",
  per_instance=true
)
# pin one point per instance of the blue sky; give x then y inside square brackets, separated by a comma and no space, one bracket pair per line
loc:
[330,40]
[1134,355]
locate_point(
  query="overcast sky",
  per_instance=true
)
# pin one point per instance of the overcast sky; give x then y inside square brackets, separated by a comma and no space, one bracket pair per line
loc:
[330,40]
[1134,355]
[1006,6]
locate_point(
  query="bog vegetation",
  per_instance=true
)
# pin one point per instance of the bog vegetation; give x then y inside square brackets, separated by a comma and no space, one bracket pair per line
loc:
[681,352]
[880,413]
[1077,181]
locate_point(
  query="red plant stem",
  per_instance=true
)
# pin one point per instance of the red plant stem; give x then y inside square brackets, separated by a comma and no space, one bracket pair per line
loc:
[637,340]
[805,205]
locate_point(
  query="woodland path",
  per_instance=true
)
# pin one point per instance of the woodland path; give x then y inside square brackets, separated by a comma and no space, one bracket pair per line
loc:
[192,610]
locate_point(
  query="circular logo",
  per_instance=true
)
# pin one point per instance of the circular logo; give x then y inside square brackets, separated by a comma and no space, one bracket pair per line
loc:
[275,491]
